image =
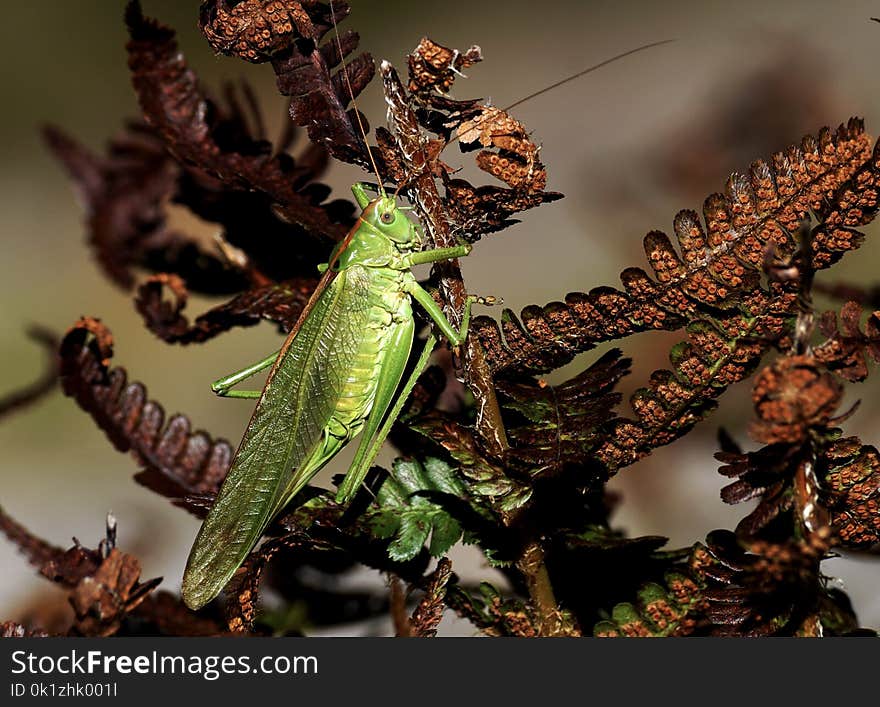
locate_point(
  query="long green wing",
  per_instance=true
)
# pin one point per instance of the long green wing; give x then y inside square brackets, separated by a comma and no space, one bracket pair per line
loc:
[285,431]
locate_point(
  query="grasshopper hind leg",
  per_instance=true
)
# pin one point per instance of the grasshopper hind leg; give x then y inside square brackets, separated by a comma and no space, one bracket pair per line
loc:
[335,437]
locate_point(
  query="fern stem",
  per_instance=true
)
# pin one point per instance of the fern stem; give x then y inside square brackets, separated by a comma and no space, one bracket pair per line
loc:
[421,189]
[551,621]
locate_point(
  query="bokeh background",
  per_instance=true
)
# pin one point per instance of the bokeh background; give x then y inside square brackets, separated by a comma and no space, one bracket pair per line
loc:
[629,145]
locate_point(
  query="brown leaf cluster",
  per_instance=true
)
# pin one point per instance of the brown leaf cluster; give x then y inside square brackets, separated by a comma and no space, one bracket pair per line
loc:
[730,587]
[847,348]
[851,491]
[124,194]
[716,354]
[822,482]
[832,176]
[433,67]
[254,30]
[304,70]
[516,162]
[104,588]
[176,460]
[764,588]
[791,396]
[176,108]
[281,303]
[428,613]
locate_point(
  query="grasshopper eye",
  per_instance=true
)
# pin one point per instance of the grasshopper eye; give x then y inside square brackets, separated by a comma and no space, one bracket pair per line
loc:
[387,217]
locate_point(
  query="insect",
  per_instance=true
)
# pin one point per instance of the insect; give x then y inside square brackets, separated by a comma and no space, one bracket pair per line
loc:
[337,375]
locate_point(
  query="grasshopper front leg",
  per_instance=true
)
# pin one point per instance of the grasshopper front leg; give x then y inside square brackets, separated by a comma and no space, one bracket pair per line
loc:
[423,297]
[223,386]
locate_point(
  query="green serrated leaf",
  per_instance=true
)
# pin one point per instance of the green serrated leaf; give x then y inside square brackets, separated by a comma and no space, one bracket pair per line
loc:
[410,538]
[445,533]
[516,499]
[439,476]
[384,525]
[407,512]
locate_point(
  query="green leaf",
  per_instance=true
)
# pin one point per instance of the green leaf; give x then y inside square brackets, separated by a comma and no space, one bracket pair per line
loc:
[408,510]
[411,534]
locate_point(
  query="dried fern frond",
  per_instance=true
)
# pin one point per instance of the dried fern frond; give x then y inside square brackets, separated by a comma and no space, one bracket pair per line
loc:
[851,491]
[832,176]
[281,303]
[176,460]
[847,348]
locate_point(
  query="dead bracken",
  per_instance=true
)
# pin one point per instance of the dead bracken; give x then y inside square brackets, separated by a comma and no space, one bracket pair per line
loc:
[519,469]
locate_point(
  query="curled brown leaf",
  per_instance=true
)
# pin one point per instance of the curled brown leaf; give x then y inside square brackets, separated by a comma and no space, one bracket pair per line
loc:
[44,384]
[281,303]
[175,459]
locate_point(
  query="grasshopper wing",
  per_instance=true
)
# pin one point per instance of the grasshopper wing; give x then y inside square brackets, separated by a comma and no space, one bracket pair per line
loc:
[285,432]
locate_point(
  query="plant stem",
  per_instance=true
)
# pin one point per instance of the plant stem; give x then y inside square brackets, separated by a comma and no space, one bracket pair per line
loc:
[422,192]
[551,621]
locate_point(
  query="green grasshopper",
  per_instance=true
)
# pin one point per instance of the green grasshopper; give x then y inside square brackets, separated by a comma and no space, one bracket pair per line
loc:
[335,377]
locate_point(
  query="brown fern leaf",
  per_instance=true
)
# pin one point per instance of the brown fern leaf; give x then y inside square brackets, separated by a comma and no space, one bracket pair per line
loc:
[666,609]
[477,211]
[768,473]
[765,589]
[103,600]
[729,588]
[242,592]
[822,482]
[511,155]
[174,105]
[44,384]
[847,347]
[421,189]
[176,460]
[289,34]
[493,613]
[254,30]
[281,303]
[851,491]
[831,176]
[104,583]
[562,424]
[433,68]
[426,617]
[37,551]
[716,354]
[792,396]
[124,194]
[553,429]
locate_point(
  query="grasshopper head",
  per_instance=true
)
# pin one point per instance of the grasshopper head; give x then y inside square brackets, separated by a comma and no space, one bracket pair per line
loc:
[384,214]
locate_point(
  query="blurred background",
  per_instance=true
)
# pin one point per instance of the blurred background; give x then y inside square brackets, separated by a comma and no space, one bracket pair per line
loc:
[629,146]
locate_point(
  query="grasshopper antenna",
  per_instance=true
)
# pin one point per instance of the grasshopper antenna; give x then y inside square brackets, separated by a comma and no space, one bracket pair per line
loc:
[357,113]
[577,75]
[588,70]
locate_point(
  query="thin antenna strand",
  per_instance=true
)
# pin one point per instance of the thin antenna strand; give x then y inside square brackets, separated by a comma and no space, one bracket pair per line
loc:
[572,77]
[357,113]
[586,71]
